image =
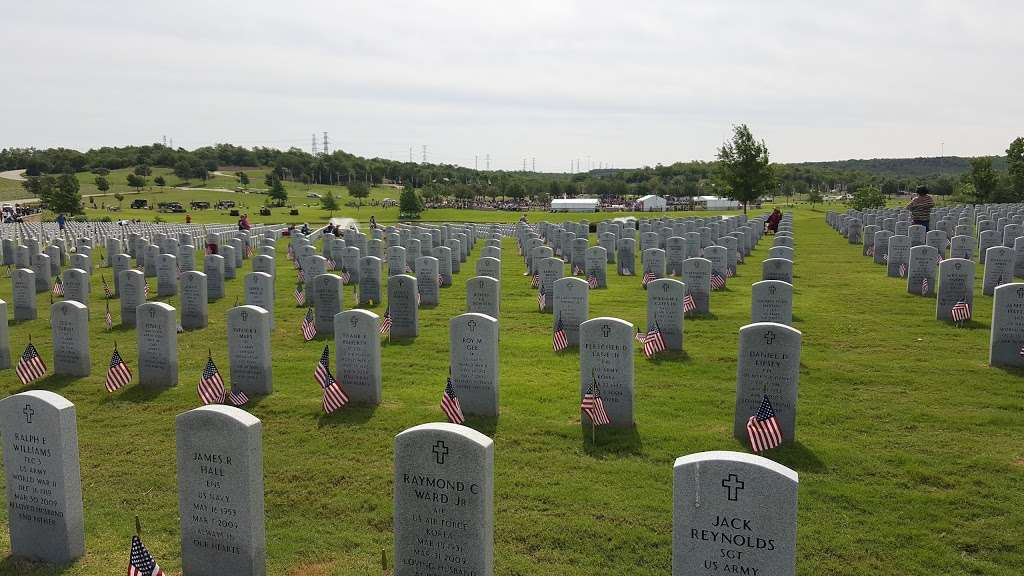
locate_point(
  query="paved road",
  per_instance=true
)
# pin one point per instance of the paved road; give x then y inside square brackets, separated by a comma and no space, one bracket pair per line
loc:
[13,175]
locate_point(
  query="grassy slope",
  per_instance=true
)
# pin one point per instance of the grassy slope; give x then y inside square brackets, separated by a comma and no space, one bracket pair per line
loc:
[909,445]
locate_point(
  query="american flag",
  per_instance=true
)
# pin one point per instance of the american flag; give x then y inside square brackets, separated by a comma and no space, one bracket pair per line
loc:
[408,270]
[763,429]
[717,280]
[560,340]
[542,298]
[440,280]
[647,279]
[107,318]
[58,287]
[885,257]
[178,266]
[871,251]
[577,270]
[309,325]
[592,282]
[248,250]
[450,402]
[385,322]
[145,289]
[535,282]
[961,311]
[593,406]
[107,293]
[689,305]
[300,294]
[654,342]
[118,375]
[211,386]
[331,264]
[902,271]
[730,272]
[924,285]
[302,275]
[640,336]
[236,398]
[30,366]
[291,252]
[141,563]
[334,396]
[346,277]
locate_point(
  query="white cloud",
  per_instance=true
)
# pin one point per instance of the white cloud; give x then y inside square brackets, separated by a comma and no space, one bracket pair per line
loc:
[627,84]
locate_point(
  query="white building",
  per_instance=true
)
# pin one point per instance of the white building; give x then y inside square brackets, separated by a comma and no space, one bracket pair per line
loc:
[575,205]
[651,203]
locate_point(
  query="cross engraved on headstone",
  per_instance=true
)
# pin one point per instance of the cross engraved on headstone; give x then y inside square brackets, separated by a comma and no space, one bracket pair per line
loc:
[440,450]
[1020,292]
[733,485]
[771,290]
[354,321]
[28,412]
[605,330]
[769,337]
[472,325]
[664,287]
[245,316]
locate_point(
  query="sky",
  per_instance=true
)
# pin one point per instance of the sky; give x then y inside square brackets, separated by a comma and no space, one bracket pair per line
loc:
[554,84]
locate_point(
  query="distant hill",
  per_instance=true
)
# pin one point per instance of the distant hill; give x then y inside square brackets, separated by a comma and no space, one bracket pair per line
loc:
[904,167]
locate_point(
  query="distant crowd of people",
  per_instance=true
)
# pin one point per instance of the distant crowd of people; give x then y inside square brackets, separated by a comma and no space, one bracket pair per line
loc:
[15,213]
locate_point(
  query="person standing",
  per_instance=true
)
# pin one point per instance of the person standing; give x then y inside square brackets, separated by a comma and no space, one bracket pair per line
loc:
[921,207]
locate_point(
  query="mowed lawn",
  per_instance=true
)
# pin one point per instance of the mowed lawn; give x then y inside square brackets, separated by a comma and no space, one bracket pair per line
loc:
[909,448]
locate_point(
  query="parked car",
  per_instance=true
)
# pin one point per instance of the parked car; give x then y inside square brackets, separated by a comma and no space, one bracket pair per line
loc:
[224,204]
[140,203]
[312,195]
[199,205]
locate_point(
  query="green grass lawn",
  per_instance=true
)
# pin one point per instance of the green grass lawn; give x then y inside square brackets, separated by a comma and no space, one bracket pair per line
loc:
[909,446]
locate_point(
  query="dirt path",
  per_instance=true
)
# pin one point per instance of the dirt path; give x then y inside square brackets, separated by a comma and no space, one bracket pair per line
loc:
[15,175]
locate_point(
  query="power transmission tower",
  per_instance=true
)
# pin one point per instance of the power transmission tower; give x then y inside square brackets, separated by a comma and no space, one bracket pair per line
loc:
[424,153]
[476,162]
[165,140]
[533,164]
[524,164]
[314,143]
[410,154]
[488,162]
[325,142]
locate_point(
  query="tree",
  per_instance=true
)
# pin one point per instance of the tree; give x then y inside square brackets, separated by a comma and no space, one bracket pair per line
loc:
[1015,168]
[102,184]
[744,167]
[61,194]
[137,182]
[409,203]
[329,202]
[277,192]
[142,170]
[243,179]
[868,197]
[119,197]
[160,181]
[358,189]
[984,178]
[814,196]
[39,186]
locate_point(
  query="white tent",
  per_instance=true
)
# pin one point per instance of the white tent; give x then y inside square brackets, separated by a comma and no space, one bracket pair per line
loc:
[575,205]
[651,203]
[717,203]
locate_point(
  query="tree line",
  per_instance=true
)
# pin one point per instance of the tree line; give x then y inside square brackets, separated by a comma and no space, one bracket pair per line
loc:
[983,179]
